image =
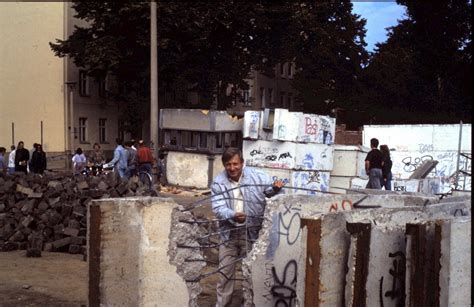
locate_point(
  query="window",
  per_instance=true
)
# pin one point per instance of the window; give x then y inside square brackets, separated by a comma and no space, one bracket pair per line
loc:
[82,129]
[185,138]
[203,140]
[218,140]
[227,139]
[282,70]
[84,83]
[290,69]
[270,96]
[268,117]
[103,87]
[234,140]
[102,130]
[194,139]
[172,137]
[246,97]
[262,97]
[282,99]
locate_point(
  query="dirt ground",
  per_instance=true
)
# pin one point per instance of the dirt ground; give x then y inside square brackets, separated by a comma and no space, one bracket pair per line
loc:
[60,279]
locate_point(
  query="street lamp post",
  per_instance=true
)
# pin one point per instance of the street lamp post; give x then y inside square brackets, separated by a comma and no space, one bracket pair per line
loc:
[153,78]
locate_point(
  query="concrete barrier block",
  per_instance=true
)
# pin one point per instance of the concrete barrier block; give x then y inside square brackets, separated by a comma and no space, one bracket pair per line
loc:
[128,241]
[314,157]
[286,125]
[269,154]
[251,124]
[455,262]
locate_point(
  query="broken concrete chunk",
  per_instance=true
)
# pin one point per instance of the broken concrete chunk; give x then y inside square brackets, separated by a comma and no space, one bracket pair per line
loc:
[24,190]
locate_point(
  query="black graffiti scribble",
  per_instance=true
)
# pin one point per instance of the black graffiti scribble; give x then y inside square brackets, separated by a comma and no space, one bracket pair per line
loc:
[256,152]
[285,292]
[410,164]
[398,279]
[285,155]
[314,176]
[460,211]
[271,158]
[296,219]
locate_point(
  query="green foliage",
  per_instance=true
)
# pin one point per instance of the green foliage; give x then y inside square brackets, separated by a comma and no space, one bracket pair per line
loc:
[210,45]
[425,66]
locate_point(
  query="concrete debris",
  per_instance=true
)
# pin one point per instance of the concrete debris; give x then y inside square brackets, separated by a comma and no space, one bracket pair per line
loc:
[54,206]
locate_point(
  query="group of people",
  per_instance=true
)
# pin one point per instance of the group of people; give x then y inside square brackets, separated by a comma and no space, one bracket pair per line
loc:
[129,159]
[378,166]
[22,160]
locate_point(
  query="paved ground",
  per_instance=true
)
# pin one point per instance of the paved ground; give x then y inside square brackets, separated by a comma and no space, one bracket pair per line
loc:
[59,279]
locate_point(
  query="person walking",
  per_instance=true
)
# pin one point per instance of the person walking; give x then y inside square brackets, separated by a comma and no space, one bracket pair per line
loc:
[238,201]
[373,166]
[38,160]
[3,165]
[22,156]
[79,161]
[131,159]
[32,150]
[11,160]
[120,160]
[386,168]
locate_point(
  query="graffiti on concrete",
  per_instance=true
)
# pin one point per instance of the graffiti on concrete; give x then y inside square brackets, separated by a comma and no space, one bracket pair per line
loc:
[397,284]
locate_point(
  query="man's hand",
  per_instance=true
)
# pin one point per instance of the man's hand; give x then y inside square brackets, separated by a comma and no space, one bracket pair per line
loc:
[240,217]
[277,185]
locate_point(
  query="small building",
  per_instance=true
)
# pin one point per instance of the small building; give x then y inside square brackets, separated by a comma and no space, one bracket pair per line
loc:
[195,140]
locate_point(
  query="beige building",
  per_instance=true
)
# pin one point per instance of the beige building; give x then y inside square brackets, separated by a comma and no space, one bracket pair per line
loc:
[43,98]
[268,92]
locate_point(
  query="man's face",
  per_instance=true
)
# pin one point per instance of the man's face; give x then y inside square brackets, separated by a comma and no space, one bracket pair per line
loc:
[234,167]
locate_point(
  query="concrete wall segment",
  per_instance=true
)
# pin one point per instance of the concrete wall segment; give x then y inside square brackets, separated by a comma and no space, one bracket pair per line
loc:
[134,266]
[275,250]
[188,169]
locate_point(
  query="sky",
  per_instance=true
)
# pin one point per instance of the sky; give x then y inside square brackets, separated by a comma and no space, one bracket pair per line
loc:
[379,15]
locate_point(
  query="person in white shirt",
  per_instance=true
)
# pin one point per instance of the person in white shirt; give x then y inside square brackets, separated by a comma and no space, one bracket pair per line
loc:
[11,160]
[79,161]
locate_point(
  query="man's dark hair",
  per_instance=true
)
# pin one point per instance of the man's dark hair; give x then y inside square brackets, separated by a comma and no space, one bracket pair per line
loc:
[12,147]
[3,149]
[374,143]
[118,141]
[229,153]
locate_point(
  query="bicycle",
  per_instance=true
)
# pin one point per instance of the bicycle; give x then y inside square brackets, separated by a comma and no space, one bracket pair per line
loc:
[146,179]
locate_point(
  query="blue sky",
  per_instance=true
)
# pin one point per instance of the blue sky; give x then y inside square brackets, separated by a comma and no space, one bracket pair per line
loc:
[379,15]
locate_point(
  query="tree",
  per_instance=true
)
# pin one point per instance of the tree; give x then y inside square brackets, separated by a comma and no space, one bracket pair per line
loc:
[424,66]
[329,55]
[207,46]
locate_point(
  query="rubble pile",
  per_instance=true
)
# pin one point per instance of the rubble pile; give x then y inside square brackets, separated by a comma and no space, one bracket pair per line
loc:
[49,213]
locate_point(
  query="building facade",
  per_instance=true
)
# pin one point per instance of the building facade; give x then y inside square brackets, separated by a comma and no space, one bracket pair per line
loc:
[43,98]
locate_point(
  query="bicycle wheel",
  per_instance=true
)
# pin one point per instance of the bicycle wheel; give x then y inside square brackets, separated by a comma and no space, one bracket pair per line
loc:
[146,179]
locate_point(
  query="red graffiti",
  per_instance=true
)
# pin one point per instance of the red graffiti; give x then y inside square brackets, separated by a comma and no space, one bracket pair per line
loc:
[346,204]
[310,128]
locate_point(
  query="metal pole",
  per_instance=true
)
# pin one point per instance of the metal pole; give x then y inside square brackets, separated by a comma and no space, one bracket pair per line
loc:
[13,133]
[459,155]
[153,77]
[71,122]
[41,133]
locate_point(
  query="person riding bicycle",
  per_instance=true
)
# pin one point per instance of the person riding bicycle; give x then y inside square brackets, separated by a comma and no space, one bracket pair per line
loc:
[144,158]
